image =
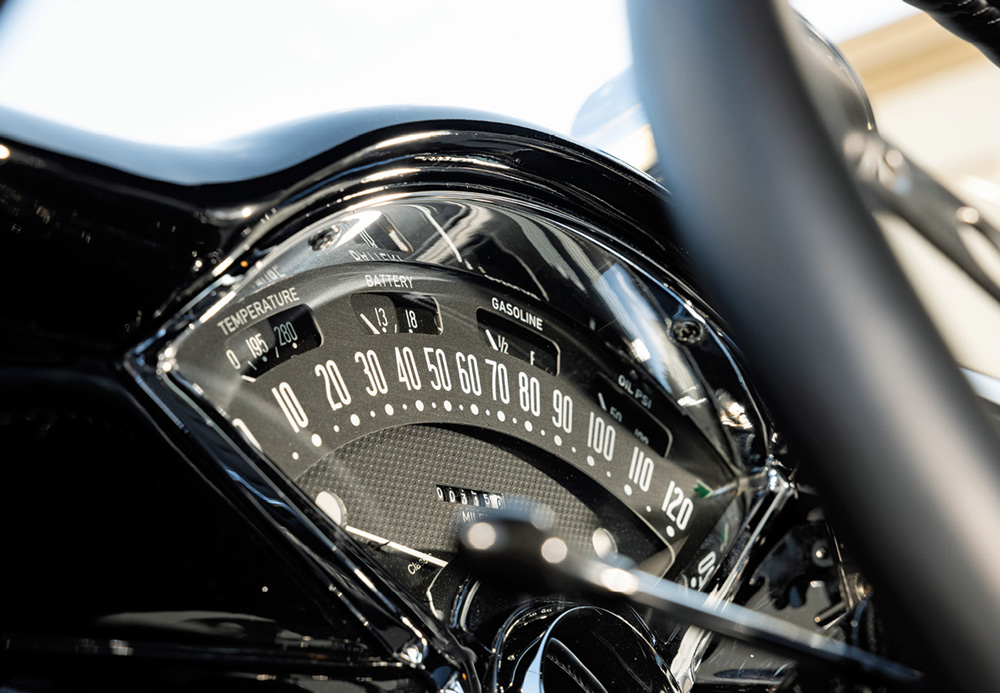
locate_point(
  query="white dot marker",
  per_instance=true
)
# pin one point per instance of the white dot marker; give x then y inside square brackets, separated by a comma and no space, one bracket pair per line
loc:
[528,426]
[355,419]
[501,416]
[372,412]
[419,404]
[434,405]
[336,429]
[316,440]
[513,419]
[295,455]
[389,410]
[558,439]
[603,542]
[474,409]
[447,405]
[331,505]
[628,490]
[649,509]
[670,531]
[590,460]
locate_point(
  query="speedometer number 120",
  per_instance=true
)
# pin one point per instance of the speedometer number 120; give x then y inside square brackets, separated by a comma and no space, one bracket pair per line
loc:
[677,507]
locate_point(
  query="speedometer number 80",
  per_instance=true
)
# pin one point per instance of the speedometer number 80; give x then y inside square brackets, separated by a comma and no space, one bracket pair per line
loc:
[529,393]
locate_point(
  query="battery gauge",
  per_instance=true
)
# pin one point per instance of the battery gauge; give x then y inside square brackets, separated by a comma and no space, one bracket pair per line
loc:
[394,313]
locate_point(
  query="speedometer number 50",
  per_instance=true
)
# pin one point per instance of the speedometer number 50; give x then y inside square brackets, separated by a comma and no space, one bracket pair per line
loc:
[437,364]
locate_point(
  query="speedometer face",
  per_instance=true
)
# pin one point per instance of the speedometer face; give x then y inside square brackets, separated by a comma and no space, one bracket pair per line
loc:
[439,357]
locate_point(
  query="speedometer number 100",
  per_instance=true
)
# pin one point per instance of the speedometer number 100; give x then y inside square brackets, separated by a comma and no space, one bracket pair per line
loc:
[601,437]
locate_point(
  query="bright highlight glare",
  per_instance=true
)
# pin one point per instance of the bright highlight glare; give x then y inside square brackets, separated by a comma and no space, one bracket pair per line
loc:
[482,536]
[554,550]
[618,580]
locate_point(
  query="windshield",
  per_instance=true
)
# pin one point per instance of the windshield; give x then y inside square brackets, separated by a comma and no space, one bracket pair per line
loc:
[192,73]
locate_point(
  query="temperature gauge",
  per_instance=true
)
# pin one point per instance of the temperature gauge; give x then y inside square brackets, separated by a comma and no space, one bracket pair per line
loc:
[271,342]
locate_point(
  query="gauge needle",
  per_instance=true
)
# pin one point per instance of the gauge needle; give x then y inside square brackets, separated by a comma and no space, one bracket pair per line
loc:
[492,343]
[368,322]
[381,541]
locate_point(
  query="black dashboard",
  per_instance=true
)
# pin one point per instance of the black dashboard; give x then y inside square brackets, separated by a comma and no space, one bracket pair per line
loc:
[257,413]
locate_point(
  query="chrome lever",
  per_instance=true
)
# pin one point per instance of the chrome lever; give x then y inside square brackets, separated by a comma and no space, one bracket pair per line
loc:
[518,552]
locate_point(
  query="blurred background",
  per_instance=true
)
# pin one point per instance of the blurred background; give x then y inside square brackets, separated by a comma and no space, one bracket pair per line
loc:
[191,72]
[195,73]
[934,95]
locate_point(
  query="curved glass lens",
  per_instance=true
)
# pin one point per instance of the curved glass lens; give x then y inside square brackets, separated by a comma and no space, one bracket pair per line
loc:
[429,358]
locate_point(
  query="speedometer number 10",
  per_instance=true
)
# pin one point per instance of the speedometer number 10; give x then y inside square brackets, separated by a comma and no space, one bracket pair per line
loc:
[290,406]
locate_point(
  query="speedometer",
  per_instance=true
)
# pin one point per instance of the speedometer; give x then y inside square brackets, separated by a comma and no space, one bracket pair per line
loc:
[434,326]
[435,356]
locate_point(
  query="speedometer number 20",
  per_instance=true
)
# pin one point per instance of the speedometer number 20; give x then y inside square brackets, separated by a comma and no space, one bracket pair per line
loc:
[336,389]
[529,393]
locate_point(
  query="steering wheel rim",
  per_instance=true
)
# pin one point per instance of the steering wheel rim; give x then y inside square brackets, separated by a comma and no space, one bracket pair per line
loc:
[862,384]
